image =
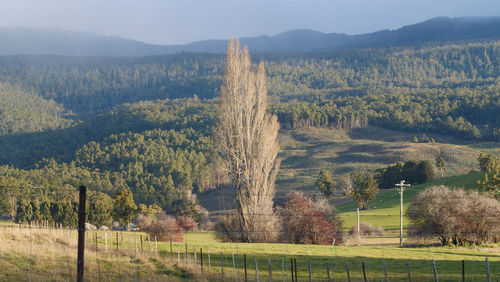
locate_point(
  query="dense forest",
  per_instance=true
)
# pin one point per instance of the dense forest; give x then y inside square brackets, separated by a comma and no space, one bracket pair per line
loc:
[427,89]
[144,123]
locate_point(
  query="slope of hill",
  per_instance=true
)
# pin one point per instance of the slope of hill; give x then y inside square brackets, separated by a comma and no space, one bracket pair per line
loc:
[23,112]
[307,151]
[57,42]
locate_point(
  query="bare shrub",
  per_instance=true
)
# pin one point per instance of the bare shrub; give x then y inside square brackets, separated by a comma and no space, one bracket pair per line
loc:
[143,222]
[455,217]
[187,223]
[166,228]
[367,229]
[228,228]
[305,224]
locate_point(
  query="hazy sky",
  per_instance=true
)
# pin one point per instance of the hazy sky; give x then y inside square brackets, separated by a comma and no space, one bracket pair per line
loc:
[182,21]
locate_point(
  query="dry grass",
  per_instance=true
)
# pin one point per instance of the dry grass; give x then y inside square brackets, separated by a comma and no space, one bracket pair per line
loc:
[48,254]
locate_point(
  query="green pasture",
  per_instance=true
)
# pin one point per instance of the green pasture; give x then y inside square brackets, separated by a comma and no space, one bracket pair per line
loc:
[278,256]
[384,210]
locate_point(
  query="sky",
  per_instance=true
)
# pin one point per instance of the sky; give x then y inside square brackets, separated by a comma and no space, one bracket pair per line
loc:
[183,21]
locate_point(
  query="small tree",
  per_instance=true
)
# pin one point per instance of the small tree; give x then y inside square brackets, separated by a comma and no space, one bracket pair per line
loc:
[45,211]
[487,161]
[491,181]
[325,183]
[424,172]
[440,163]
[362,187]
[24,212]
[124,210]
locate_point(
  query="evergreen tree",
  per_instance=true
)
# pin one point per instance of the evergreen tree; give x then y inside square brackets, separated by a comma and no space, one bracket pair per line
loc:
[440,164]
[124,207]
[325,183]
[100,209]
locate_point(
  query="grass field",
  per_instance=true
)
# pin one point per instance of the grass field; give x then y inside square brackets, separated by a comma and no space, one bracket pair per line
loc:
[51,255]
[384,210]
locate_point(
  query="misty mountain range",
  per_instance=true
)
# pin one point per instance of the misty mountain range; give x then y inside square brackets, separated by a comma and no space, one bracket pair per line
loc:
[34,41]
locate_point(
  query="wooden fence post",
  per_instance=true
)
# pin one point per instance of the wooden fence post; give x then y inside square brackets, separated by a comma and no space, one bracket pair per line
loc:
[171,255]
[364,272]
[310,274]
[222,265]
[186,254]
[385,273]
[201,260]
[135,243]
[245,266]
[291,268]
[234,267]
[149,244]
[347,271]
[327,272]
[488,270]
[408,268]
[142,250]
[256,269]
[463,270]
[282,269]
[209,264]
[81,233]
[270,269]
[295,263]
[435,271]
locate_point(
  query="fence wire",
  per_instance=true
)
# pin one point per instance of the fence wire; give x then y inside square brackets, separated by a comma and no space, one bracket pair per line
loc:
[135,256]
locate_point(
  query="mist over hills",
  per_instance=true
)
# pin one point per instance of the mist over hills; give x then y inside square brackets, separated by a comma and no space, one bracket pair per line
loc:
[34,41]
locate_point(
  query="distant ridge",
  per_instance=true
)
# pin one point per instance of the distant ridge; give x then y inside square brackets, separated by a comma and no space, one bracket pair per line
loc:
[33,41]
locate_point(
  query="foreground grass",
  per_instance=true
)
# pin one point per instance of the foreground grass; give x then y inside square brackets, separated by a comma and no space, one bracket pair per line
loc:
[51,255]
[448,260]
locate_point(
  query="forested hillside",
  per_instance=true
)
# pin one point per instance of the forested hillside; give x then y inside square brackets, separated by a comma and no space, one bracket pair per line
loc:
[429,89]
[145,123]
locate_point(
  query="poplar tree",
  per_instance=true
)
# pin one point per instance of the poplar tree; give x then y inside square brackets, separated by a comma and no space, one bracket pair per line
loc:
[245,138]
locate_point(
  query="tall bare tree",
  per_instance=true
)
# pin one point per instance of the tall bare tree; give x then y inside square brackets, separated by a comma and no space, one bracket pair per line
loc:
[246,141]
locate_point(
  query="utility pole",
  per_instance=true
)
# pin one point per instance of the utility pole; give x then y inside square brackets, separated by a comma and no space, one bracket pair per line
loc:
[401,188]
[357,225]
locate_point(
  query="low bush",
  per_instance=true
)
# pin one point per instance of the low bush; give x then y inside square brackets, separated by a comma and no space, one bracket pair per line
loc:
[228,229]
[367,229]
[306,223]
[456,217]
[166,228]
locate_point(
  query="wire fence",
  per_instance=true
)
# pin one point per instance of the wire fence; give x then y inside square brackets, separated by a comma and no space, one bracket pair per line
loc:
[33,253]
